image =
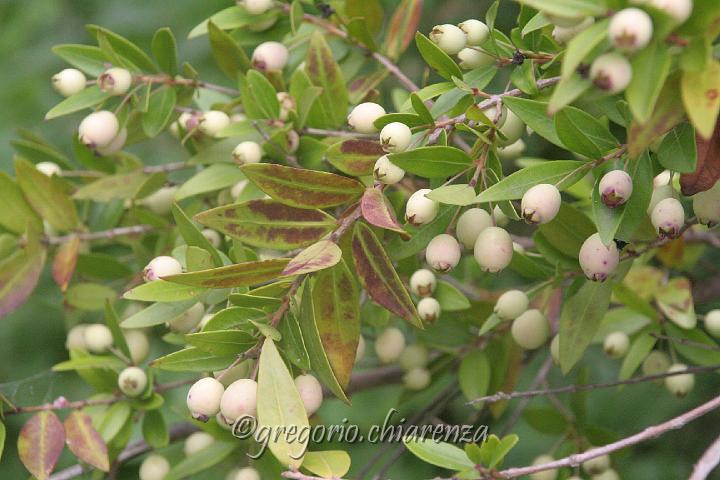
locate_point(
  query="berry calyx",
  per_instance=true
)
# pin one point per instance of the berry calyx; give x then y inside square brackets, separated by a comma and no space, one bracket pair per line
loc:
[423,282]
[611,72]
[530,330]
[69,82]
[362,117]
[270,56]
[414,356]
[616,344]
[196,442]
[668,218]
[471,58]
[615,188]
[160,202]
[443,253]
[470,224]
[188,320]
[203,398]
[389,345]
[310,392]
[98,338]
[48,168]
[712,323]
[493,249]
[598,260]
[98,129]
[429,309]
[239,399]
[213,122]
[679,385]
[511,304]
[630,29]
[154,467]
[387,172]
[475,31]
[419,209]
[417,379]
[132,381]
[540,204]
[247,152]
[256,7]
[115,81]
[449,38]
[161,266]
[395,137]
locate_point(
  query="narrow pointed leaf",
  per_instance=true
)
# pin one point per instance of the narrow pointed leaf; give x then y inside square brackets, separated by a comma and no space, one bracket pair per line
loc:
[354,157]
[323,71]
[239,275]
[40,444]
[16,213]
[437,59]
[403,25]
[378,211]
[85,442]
[432,162]
[565,173]
[192,359]
[19,274]
[318,256]
[65,262]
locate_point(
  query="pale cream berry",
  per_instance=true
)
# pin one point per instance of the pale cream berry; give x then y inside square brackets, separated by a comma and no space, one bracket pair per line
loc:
[511,304]
[471,58]
[132,381]
[449,38]
[712,323]
[608,474]
[545,474]
[213,122]
[475,31]
[443,253]
[668,218]
[287,104]
[161,266]
[497,115]
[115,145]
[362,117]
[597,465]
[662,178]
[540,204]
[196,442]
[616,344]
[160,202]
[630,29]
[530,330]
[706,206]
[138,344]
[512,129]
[98,129]
[395,137]
[470,224]
[247,473]
[360,350]
[154,467]
[68,82]
[310,392]
[493,249]
[115,81]
[659,194]
[203,399]
[615,188]
[417,379]
[238,189]
[98,338]
[387,172]
[423,282]
[611,72]
[420,209]
[564,20]
[565,34]
[256,7]
[188,320]
[292,140]
[555,349]
[679,385]
[212,236]
[48,168]
[414,356]
[76,337]
[501,220]
[429,309]
[239,399]
[517,248]
[389,345]
[598,260]
[247,152]
[655,363]
[270,56]
[680,10]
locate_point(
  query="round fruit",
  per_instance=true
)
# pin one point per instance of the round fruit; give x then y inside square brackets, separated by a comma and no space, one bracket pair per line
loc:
[395,137]
[239,399]
[429,309]
[160,202]
[98,338]
[362,117]
[499,217]
[512,129]
[493,249]
[387,172]
[611,72]
[417,379]
[212,236]
[116,145]
[419,209]
[423,283]
[496,116]
[608,474]
[414,356]
[475,31]
[48,168]
[562,20]
[540,204]
[597,260]
[471,58]
[360,350]
[545,474]
[443,253]
[256,7]
[615,188]
[630,29]
[470,224]
[270,56]
[389,345]
[76,337]
[138,344]
[655,363]
[132,381]
[565,34]
[154,467]
[161,266]
[115,81]
[247,473]
[616,344]
[449,38]
[203,399]
[98,129]
[310,392]
[712,323]
[238,188]
[196,442]
[247,152]
[69,82]
[213,122]
[680,10]
[555,349]
[187,320]
[679,385]
[668,218]
[530,330]
[597,465]
[511,304]
[706,206]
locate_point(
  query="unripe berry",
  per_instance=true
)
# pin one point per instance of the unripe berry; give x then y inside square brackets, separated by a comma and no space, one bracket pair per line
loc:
[429,309]
[154,467]
[132,381]
[541,204]
[565,34]
[247,152]
[475,31]
[668,218]
[655,363]
[597,465]
[98,338]
[611,72]
[160,202]
[213,122]
[417,379]
[615,188]
[203,399]
[76,337]
[247,473]
[387,172]
[256,7]
[512,129]
[449,38]
[187,320]
[662,178]
[239,399]
[499,216]
[511,304]
[712,323]
[395,137]
[270,56]
[362,118]
[98,129]
[287,103]
[389,345]
[423,283]
[310,392]
[443,253]
[608,474]
[212,236]
[161,266]
[493,249]
[471,58]
[138,344]
[419,209]
[679,385]
[630,29]
[555,349]
[659,194]
[48,168]
[69,82]
[360,350]
[115,145]
[680,10]
[238,188]
[545,474]
[706,206]
[597,260]
[196,442]
[498,117]
[115,81]
[616,344]
[414,356]
[470,224]
[562,20]
[530,330]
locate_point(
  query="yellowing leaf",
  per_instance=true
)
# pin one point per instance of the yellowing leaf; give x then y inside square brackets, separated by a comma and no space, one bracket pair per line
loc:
[85,442]
[40,444]
[327,464]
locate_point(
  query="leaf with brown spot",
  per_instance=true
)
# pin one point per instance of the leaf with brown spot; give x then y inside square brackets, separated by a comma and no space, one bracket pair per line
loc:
[40,444]
[701,97]
[707,172]
[303,188]
[377,211]
[324,72]
[318,256]
[269,224]
[239,275]
[85,442]
[379,277]
[354,157]
[403,25]
[65,262]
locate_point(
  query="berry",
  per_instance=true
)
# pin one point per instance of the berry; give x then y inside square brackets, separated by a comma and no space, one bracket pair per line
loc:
[680,10]
[115,81]
[161,266]
[475,31]
[211,236]
[48,168]
[429,309]
[213,122]
[362,118]
[630,29]
[238,188]
[154,467]
[76,337]
[470,224]
[197,441]
[493,249]
[530,330]
[712,323]
[247,152]
[293,141]
[270,56]
[597,465]
[563,21]
[615,188]
[616,344]
[662,178]
[706,206]
[565,34]
[417,379]
[395,137]
[414,356]
[545,474]
[203,399]
[247,473]
[239,399]
[387,172]
[287,103]
[443,253]
[659,194]
[449,38]
[541,204]
[511,304]
[608,474]
[187,320]
[360,350]
[512,129]
[132,381]
[611,72]
[419,209]
[499,216]
[138,344]
[69,82]
[668,218]
[256,7]
[160,202]
[471,58]
[679,385]
[597,260]
[98,129]
[98,338]
[115,145]
[497,117]
[655,363]
[423,282]
[310,392]
[555,349]
[389,345]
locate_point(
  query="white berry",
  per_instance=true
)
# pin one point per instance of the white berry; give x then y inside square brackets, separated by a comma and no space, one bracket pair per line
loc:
[256,7]
[668,218]
[511,304]
[239,399]
[69,82]
[423,283]
[417,379]
[545,474]
[270,56]
[247,473]
[389,345]
[414,356]
[679,385]
[419,209]
[132,381]
[615,188]
[608,474]
[115,81]
[238,189]
[630,29]
[499,216]
[187,320]
[616,344]
[706,206]
[449,38]
[154,467]
[712,323]
[475,31]
[360,350]
[395,137]
[493,249]
[98,338]
[611,72]
[247,152]
[540,204]
[76,337]
[530,330]
[512,129]
[471,58]
[496,115]
[98,129]
[362,117]
[211,236]
[138,344]
[443,253]
[287,103]
[160,202]
[387,172]
[429,309]
[49,168]
[598,260]
[555,349]
[196,442]
[213,122]
[597,465]
[203,399]
[562,20]
[655,363]
[115,145]
[565,34]
[470,224]
[680,10]
[310,392]
[161,266]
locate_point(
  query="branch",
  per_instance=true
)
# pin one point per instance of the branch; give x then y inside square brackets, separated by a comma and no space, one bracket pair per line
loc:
[187,82]
[289,158]
[686,341]
[100,235]
[707,462]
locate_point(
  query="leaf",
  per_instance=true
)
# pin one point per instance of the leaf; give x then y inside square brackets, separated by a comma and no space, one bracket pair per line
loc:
[474,376]
[318,256]
[279,406]
[19,274]
[222,342]
[264,96]
[399,248]
[432,162]
[89,296]
[567,91]
[328,463]
[580,47]
[85,442]
[200,461]
[121,186]
[231,18]
[675,301]
[650,69]
[138,60]
[3,435]
[156,314]
[695,354]
[85,98]
[160,109]
[323,71]
[568,230]
[303,188]
[88,58]
[210,179]
[403,25]
[707,171]
[678,150]
[46,196]
[451,299]
[162,291]
[354,157]
[65,262]
[154,429]
[439,454]
[639,350]
[568,8]
[379,277]
[377,211]
[238,275]
[192,359]
[582,133]
[546,420]
[269,224]
[534,114]
[164,48]
[701,97]
[461,195]
[113,323]
[16,214]
[563,173]
[227,53]
[192,235]
[437,59]
[40,444]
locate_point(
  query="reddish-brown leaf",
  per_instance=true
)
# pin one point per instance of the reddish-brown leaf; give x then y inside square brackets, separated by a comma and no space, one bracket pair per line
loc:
[354,157]
[19,274]
[708,165]
[318,256]
[377,211]
[403,25]
[239,275]
[40,444]
[85,442]
[65,262]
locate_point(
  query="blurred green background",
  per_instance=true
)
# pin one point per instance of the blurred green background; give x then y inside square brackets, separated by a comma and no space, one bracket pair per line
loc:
[33,337]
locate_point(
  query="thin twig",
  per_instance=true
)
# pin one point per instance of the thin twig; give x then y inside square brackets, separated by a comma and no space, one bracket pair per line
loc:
[539,378]
[100,235]
[686,341]
[289,158]
[187,82]
[338,133]
[707,463]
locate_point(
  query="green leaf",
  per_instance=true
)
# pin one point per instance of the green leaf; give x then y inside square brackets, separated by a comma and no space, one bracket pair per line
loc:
[354,157]
[400,248]
[263,94]
[162,291]
[210,179]
[192,359]
[90,362]
[16,213]
[563,173]
[113,323]
[192,235]
[134,58]
[701,99]
[650,69]
[328,463]
[238,275]
[89,296]
[296,16]
[318,256]
[568,8]
[88,58]
[568,230]
[222,342]
[323,71]
[3,434]
[160,109]
[639,350]
[164,48]
[675,301]
[46,196]
[432,162]
[200,461]
[579,49]
[695,354]
[154,429]
[582,133]
[474,376]
[534,114]
[461,195]
[567,91]
[678,150]
[86,98]
[228,55]
[157,313]
[121,186]
[439,454]
[438,60]
[451,299]
[231,18]
[546,420]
